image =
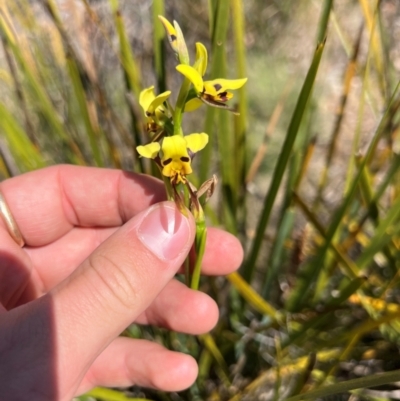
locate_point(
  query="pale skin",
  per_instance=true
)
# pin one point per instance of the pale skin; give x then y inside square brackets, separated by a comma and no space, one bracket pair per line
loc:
[98,256]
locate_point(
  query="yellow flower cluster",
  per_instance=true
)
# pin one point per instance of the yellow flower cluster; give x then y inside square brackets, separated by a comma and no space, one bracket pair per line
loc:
[174,153]
[177,153]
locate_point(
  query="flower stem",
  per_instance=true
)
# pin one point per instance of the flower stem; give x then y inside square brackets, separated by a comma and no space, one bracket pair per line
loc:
[180,105]
[200,246]
[168,188]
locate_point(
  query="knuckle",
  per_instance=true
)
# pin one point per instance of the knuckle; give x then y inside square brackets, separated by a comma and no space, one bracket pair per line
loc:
[113,280]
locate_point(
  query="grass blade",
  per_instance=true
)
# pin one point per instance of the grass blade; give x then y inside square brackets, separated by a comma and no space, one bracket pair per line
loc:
[107,394]
[159,44]
[378,379]
[371,17]
[25,153]
[42,100]
[282,162]
[131,73]
[219,12]
[240,121]
[251,296]
[221,130]
[312,270]
[324,20]
[80,96]
[213,349]
[275,260]
[384,234]
[347,80]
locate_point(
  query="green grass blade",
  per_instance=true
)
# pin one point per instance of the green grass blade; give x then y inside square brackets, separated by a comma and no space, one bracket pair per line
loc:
[383,235]
[346,86]
[390,177]
[205,362]
[222,129]
[312,270]
[344,294]
[303,375]
[126,54]
[275,260]
[324,20]
[252,297]
[211,7]
[25,153]
[43,102]
[240,121]
[349,266]
[365,186]
[219,25]
[131,73]
[282,162]
[347,291]
[378,379]
[83,109]
[106,394]
[372,208]
[20,94]
[222,368]
[371,16]
[206,154]
[159,44]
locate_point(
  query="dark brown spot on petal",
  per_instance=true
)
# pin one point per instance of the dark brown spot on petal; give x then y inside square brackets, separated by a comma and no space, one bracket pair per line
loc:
[166,162]
[217,87]
[222,97]
[185,159]
[172,37]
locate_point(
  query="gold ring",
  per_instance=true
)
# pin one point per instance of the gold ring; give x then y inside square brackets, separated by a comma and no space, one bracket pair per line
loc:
[10,223]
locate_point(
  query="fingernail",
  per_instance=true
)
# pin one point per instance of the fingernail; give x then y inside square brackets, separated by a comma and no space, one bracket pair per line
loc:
[164,231]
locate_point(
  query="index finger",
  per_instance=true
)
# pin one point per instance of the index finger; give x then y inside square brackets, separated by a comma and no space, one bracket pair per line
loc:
[47,203]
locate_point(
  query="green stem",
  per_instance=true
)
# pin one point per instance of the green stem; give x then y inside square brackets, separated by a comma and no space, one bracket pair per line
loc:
[180,105]
[200,246]
[168,188]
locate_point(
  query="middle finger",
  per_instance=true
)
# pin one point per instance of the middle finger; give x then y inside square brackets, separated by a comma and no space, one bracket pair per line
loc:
[56,261]
[181,309]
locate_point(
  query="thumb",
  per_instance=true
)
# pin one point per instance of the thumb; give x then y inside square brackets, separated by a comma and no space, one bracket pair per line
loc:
[119,281]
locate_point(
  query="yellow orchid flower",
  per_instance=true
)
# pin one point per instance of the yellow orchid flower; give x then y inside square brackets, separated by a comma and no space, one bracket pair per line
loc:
[176,39]
[152,106]
[215,92]
[176,154]
[171,33]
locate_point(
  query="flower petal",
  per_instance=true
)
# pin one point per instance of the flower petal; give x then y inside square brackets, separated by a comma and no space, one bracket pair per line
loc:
[183,53]
[196,142]
[173,146]
[193,104]
[158,101]
[201,58]
[177,168]
[192,75]
[150,151]
[222,85]
[171,33]
[175,159]
[146,97]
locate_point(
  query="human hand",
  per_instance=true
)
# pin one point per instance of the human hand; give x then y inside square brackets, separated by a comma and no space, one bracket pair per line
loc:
[97,258]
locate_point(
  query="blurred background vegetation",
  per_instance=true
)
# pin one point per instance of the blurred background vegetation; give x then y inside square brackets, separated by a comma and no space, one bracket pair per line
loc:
[308,173]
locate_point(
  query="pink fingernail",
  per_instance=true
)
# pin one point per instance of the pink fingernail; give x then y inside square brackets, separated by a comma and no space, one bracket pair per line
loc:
[165,232]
